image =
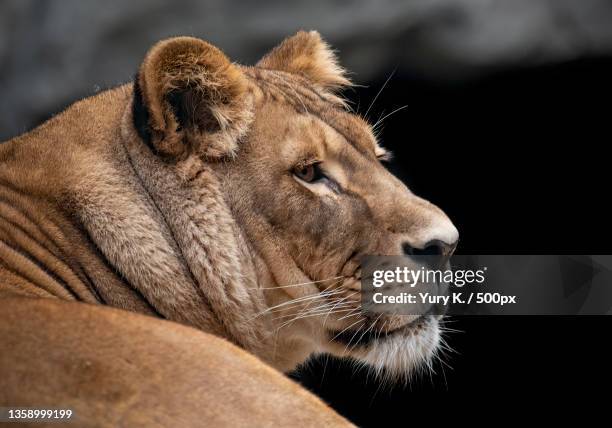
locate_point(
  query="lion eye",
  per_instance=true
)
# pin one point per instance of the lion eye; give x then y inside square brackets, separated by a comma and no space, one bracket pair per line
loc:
[308,173]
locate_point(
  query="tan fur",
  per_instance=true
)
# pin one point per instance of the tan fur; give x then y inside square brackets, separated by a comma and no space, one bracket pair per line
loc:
[307,54]
[211,87]
[176,198]
[135,371]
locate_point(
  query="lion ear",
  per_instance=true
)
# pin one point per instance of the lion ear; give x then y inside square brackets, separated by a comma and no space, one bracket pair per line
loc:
[307,54]
[189,98]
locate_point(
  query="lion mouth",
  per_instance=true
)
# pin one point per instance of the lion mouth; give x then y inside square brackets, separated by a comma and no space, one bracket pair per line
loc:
[365,336]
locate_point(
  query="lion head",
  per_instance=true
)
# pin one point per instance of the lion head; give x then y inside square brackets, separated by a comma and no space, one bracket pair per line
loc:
[283,190]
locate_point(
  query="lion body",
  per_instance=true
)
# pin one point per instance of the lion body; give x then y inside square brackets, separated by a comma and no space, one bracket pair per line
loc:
[111,367]
[118,369]
[45,252]
[191,196]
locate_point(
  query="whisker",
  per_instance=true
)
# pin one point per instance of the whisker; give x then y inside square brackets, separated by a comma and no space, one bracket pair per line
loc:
[365,331]
[340,301]
[351,315]
[361,320]
[351,339]
[450,330]
[315,311]
[325,306]
[356,309]
[326,293]
[328,306]
[297,285]
[300,300]
[323,309]
[379,92]
[381,330]
[305,316]
[319,310]
[381,120]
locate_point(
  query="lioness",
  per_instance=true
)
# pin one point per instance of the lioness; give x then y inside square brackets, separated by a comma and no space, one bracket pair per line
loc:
[235,200]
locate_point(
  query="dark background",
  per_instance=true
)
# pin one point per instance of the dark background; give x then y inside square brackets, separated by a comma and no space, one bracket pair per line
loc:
[506,128]
[519,160]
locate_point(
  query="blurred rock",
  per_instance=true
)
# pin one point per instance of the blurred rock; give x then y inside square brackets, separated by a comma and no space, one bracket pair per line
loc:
[54,52]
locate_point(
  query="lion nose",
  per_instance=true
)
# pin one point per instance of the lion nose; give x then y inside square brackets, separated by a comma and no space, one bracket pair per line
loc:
[436,252]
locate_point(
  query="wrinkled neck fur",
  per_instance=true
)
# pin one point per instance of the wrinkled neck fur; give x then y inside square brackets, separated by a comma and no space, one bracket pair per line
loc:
[209,245]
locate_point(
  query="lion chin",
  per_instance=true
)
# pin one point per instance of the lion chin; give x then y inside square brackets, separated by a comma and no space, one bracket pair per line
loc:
[394,356]
[400,355]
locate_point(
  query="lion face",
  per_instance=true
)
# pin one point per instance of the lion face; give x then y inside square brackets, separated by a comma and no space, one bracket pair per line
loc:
[305,182]
[310,177]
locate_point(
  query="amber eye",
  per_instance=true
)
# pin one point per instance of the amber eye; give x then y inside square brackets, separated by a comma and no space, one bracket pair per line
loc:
[308,173]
